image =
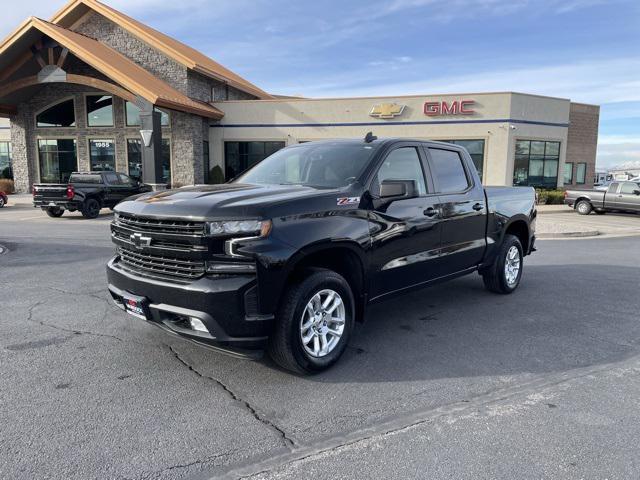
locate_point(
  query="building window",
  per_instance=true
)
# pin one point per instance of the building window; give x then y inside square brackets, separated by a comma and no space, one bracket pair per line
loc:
[134,159]
[568,173]
[239,156]
[102,154]
[58,159]
[100,110]
[5,160]
[133,115]
[581,173]
[60,115]
[205,160]
[536,163]
[476,151]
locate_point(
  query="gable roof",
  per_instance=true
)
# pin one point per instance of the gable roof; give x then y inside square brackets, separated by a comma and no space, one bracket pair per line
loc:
[178,51]
[107,61]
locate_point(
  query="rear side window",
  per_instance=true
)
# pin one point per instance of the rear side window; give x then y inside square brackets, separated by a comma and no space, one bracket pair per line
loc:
[112,178]
[448,171]
[85,179]
[402,164]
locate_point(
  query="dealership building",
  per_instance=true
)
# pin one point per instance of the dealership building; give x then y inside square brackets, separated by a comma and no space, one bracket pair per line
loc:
[93,89]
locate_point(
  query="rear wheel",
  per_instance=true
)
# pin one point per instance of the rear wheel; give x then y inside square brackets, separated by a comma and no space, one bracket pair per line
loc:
[505,273]
[91,208]
[1,202]
[314,323]
[55,212]
[583,207]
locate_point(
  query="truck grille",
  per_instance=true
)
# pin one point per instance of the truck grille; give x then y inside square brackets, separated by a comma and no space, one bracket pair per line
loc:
[161,265]
[151,225]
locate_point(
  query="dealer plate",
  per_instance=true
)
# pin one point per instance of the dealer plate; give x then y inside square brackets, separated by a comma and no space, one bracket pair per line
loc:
[136,306]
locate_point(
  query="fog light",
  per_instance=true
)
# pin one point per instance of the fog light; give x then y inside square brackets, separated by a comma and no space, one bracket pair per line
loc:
[196,324]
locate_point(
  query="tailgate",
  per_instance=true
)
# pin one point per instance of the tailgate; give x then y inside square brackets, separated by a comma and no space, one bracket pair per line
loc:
[44,193]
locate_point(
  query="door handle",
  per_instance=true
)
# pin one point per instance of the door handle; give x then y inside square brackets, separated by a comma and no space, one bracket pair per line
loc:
[431,212]
[478,206]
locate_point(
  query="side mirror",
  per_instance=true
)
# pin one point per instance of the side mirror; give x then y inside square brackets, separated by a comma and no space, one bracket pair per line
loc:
[636,192]
[397,189]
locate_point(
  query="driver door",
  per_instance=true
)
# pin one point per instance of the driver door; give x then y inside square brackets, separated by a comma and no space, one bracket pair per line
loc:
[405,232]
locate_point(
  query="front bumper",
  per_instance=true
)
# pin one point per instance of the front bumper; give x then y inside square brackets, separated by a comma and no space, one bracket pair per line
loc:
[225,304]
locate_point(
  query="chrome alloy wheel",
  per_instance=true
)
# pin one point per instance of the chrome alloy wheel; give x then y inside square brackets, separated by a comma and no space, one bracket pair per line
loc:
[512,266]
[322,323]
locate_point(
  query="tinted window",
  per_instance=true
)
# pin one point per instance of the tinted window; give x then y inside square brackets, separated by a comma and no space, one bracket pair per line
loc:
[402,164]
[100,111]
[629,187]
[324,165]
[60,115]
[448,171]
[581,173]
[124,180]
[82,178]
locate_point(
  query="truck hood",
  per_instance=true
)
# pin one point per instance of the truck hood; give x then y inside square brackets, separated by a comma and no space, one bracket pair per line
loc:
[231,200]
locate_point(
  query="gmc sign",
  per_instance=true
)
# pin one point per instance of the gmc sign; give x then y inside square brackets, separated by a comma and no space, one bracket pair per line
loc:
[435,109]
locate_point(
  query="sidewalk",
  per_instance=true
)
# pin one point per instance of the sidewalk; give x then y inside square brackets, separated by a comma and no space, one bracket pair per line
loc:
[544,209]
[20,199]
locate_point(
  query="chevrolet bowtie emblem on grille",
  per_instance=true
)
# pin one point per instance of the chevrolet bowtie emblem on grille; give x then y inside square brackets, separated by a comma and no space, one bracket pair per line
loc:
[139,241]
[387,110]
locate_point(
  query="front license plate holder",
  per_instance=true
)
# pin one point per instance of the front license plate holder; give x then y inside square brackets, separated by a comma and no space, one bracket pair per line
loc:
[136,306]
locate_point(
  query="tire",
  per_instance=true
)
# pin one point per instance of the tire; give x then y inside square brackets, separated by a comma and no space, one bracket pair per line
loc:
[286,345]
[55,212]
[91,208]
[1,202]
[583,207]
[498,278]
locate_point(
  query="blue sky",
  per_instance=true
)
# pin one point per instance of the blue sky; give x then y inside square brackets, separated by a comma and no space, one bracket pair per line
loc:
[586,50]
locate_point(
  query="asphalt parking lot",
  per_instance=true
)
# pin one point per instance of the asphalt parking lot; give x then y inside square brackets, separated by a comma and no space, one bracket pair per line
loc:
[450,382]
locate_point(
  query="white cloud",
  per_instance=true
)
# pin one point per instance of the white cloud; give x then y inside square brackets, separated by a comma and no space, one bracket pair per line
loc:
[616,150]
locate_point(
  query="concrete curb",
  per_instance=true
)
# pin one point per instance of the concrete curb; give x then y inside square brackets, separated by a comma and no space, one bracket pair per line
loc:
[592,233]
[542,211]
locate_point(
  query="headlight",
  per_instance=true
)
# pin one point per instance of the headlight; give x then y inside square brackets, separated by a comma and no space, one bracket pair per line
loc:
[259,228]
[116,217]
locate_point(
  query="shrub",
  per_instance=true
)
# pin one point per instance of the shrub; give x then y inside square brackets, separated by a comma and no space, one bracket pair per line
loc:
[550,197]
[7,185]
[216,175]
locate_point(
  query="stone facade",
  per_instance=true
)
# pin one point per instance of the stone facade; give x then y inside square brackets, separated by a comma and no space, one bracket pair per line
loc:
[187,133]
[582,139]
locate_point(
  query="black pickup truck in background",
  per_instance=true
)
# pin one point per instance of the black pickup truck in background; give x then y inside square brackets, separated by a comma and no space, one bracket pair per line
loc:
[87,192]
[288,255]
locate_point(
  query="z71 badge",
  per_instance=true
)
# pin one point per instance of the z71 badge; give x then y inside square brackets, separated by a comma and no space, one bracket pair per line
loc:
[348,201]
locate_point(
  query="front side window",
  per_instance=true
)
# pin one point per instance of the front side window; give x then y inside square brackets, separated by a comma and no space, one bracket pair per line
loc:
[476,152]
[100,110]
[581,173]
[5,160]
[58,159]
[568,173]
[536,163]
[448,171]
[60,115]
[133,115]
[630,188]
[112,178]
[401,164]
[321,165]
[102,154]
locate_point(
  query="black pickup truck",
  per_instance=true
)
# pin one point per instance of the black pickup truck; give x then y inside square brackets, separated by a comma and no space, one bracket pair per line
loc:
[288,255]
[87,192]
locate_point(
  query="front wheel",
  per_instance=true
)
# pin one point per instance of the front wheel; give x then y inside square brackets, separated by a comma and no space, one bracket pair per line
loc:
[314,323]
[1,202]
[55,212]
[583,207]
[505,273]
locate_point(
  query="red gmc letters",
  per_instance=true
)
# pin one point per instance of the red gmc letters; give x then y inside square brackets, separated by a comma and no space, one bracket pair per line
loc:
[462,107]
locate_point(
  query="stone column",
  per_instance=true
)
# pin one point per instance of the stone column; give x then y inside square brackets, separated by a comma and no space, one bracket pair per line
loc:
[23,171]
[152,153]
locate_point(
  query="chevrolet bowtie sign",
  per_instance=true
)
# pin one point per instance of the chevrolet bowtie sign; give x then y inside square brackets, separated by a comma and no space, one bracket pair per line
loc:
[387,110]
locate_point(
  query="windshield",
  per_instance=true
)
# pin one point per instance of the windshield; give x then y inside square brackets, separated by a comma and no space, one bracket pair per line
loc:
[323,165]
